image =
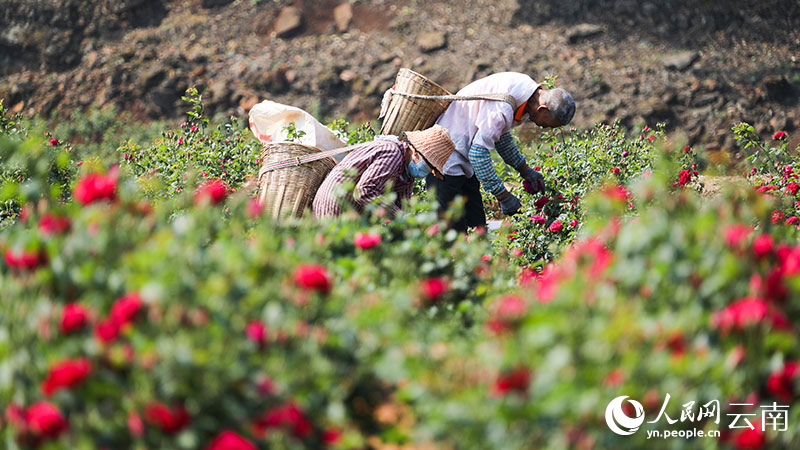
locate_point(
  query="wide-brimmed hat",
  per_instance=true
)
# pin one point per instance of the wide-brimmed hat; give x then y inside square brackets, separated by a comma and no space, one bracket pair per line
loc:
[434,144]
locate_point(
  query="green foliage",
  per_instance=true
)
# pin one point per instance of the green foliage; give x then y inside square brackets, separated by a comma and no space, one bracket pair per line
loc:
[292,133]
[228,152]
[292,334]
[99,132]
[573,165]
[772,170]
[357,135]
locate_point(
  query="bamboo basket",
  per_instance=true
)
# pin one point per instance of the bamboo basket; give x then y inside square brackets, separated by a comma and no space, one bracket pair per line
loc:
[289,191]
[412,114]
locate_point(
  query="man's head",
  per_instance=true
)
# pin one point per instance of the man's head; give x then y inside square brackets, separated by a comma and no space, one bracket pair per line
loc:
[551,108]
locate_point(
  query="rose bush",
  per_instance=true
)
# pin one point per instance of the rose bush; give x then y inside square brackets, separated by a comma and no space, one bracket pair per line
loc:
[134,319]
[172,324]
[573,164]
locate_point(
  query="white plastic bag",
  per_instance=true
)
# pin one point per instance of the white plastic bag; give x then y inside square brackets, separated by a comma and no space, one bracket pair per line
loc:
[268,120]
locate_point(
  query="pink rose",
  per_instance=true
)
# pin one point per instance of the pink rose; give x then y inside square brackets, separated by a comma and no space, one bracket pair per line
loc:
[256,331]
[556,226]
[366,240]
[228,440]
[779,135]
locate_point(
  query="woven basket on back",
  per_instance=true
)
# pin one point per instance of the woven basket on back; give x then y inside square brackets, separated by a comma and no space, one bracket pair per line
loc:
[412,114]
[287,192]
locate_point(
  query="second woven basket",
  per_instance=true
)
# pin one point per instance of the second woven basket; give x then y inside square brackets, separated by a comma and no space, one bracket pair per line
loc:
[289,191]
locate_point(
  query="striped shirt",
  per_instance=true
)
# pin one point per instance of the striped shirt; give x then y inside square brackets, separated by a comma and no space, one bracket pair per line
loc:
[370,167]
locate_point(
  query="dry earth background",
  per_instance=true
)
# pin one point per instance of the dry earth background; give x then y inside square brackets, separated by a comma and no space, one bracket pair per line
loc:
[699,65]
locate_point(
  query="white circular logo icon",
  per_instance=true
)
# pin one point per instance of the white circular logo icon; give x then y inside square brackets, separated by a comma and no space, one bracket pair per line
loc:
[618,421]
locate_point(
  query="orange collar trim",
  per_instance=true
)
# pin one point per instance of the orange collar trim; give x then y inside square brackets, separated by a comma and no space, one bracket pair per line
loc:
[520,112]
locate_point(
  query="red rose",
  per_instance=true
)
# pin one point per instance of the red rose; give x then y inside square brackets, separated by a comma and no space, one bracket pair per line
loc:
[107,331]
[779,135]
[750,438]
[684,177]
[125,309]
[434,288]
[651,138]
[735,234]
[528,187]
[506,311]
[366,240]
[213,191]
[331,436]
[762,245]
[789,258]
[794,220]
[767,188]
[676,344]
[265,386]
[781,383]
[45,420]
[614,378]
[573,223]
[537,219]
[256,331]
[288,416]
[53,142]
[792,187]
[776,290]
[168,420]
[313,277]
[66,374]
[547,285]
[539,204]
[615,170]
[73,317]
[228,440]
[778,216]
[687,149]
[516,380]
[52,224]
[556,226]
[24,260]
[95,187]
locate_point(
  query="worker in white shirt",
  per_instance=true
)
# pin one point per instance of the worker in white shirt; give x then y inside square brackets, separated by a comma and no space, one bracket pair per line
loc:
[478,126]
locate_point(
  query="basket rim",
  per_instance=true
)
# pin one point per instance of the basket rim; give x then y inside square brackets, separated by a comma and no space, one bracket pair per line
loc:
[264,147]
[435,84]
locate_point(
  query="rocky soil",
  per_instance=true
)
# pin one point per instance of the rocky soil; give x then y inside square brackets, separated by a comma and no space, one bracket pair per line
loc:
[696,65]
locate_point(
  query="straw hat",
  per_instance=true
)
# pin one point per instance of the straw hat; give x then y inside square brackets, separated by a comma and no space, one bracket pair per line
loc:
[434,144]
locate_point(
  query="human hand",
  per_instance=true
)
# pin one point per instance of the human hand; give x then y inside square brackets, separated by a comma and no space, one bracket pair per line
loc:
[534,181]
[509,203]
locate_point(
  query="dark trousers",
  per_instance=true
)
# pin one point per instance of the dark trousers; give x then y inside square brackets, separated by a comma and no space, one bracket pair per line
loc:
[452,186]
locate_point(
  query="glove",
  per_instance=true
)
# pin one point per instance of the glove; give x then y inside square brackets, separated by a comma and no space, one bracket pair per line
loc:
[534,178]
[510,205]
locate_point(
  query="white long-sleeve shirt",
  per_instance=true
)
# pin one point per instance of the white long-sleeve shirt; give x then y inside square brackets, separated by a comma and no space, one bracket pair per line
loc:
[483,122]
